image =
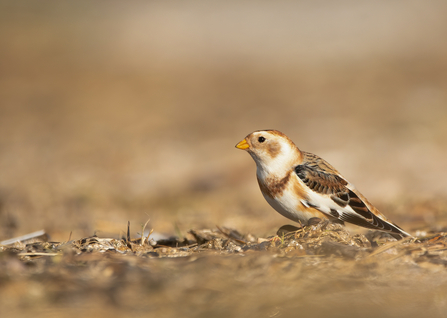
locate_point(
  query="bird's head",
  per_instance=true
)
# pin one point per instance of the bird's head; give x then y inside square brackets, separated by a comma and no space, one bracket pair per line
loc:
[272,151]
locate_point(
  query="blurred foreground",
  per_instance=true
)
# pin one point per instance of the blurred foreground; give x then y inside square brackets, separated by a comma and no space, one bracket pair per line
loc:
[318,271]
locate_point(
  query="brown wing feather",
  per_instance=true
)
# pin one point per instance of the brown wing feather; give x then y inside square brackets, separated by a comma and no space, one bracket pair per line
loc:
[319,181]
[333,185]
[322,178]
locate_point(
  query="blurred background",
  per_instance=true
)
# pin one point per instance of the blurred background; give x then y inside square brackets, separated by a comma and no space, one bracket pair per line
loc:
[114,111]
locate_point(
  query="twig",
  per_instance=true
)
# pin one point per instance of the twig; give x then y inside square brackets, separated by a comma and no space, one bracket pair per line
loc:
[149,234]
[23,237]
[385,247]
[142,233]
[230,236]
[39,254]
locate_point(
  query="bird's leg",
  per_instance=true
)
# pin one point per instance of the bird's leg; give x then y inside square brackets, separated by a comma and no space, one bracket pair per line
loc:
[283,231]
[313,221]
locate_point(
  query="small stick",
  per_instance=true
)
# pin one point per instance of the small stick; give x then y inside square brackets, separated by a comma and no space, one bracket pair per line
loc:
[385,247]
[149,234]
[230,236]
[142,233]
[23,237]
[39,254]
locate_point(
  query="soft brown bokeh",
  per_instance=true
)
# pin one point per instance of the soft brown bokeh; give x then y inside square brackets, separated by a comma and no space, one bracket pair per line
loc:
[114,111]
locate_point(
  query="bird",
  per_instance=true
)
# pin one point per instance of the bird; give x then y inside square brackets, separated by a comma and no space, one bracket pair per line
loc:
[301,186]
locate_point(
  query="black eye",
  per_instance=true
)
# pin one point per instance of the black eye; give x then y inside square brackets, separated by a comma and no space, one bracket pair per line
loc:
[261,139]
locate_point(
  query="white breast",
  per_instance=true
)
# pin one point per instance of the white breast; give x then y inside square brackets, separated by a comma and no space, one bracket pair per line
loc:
[290,205]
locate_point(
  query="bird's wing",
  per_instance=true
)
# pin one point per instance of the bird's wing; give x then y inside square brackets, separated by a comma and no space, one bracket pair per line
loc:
[333,195]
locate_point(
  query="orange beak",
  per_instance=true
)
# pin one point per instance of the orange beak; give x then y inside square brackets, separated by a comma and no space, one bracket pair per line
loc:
[243,145]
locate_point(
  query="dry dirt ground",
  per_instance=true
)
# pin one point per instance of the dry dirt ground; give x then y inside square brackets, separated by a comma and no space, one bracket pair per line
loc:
[113,112]
[319,270]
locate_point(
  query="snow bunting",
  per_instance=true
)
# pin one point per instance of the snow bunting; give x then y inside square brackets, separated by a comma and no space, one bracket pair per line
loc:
[301,185]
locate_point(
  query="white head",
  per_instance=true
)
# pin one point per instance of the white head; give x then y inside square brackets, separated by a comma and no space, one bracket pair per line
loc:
[273,152]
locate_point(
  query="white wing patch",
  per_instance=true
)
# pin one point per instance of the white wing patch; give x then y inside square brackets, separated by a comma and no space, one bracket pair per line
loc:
[325,204]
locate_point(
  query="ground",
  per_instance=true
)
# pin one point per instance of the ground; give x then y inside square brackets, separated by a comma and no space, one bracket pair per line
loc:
[317,271]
